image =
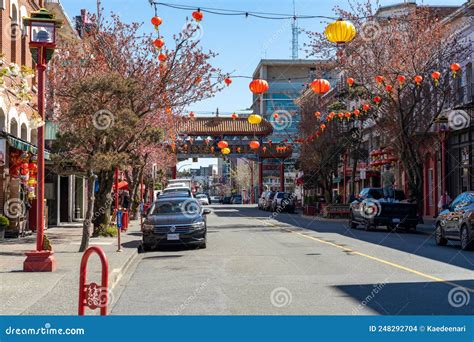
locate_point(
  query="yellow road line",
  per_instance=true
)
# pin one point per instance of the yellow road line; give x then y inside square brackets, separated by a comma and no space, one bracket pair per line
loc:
[389,263]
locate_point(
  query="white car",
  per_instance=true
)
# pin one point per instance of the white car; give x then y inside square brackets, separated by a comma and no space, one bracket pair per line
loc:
[203,200]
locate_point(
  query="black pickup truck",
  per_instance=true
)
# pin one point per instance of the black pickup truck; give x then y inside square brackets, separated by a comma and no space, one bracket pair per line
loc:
[371,210]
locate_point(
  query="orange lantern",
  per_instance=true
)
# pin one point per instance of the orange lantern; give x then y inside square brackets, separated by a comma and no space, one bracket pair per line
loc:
[350,81]
[341,116]
[317,114]
[377,99]
[254,145]
[455,67]
[162,57]
[234,116]
[323,127]
[401,79]
[331,115]
[168,110]
[388,88]
[348,115]
[275,115]
[258,86]
[356,112]
[418,79]
[156,21]
[159,43]
[197,15]
[320,86]
[222,144]
[227,81]
[379,79]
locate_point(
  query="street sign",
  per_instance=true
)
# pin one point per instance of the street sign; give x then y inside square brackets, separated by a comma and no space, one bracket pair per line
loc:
[363,174]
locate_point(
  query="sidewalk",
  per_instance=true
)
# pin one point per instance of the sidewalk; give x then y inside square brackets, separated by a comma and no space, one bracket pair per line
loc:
[57,293]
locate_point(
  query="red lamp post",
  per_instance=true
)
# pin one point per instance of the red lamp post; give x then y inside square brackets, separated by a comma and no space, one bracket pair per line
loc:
[442,123]
[42,31]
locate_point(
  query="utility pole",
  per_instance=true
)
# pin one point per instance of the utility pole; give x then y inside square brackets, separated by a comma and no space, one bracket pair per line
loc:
[295,34]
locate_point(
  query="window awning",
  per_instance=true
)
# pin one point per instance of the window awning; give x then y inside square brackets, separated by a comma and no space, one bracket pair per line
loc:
[24,146]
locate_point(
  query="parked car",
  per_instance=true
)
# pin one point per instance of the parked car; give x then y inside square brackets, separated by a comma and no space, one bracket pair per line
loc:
[202,198]
[371,210]
[283,201]
[267,202]
[178,189]
[226,200]
[177,220]
[261,200]
[457,222]
[236,199]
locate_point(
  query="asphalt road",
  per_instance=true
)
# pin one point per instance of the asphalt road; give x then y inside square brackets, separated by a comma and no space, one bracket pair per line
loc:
[259,264]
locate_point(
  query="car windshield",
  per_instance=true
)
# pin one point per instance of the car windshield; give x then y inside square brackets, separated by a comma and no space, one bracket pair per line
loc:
[176,190]
[201,196]
[176,207]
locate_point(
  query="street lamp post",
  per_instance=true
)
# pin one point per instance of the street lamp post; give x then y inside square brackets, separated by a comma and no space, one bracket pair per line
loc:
[442,123]
[42,31]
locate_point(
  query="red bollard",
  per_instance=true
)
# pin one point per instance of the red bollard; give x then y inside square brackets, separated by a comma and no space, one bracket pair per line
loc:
[92,295]
[125,219]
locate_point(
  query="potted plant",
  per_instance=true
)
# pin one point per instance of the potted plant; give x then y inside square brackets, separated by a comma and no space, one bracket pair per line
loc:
[4,223]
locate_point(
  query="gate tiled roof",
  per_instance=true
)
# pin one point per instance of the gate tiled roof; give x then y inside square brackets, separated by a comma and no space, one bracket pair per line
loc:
[215,126]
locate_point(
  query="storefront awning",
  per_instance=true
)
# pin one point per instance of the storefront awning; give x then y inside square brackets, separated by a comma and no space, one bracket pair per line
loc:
[24,146]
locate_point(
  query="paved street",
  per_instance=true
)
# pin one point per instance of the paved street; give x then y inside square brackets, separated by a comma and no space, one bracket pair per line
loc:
[296,265]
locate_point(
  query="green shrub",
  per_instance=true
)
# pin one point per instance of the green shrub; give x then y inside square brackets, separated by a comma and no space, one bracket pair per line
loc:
[107,231]
[4,221]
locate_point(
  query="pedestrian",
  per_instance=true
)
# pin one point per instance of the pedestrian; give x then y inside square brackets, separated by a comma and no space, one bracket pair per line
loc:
[444,201]
[388,181]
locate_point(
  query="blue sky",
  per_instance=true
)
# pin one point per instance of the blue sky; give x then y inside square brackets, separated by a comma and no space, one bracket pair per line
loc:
[240,42]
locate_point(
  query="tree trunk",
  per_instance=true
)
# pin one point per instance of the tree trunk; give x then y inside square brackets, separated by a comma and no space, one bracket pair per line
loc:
[134,186]
[87,225]
[353,175]
[103,200]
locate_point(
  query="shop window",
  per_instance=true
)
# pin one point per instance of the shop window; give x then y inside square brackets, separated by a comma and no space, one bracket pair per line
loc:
[24,132]
[14,128]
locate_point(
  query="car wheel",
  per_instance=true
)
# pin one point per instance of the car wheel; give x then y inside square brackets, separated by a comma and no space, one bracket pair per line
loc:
[439,238]
[203,245]
[466,242]
[352,222]
[392,228]
[368,226]
[146,247]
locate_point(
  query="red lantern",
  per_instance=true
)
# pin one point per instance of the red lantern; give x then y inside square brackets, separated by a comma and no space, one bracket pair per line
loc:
[377,99]
[331,115]
[388,88]
[317,114]
[341,116]
[191,115]
[455,67]
[162,57]
[198,80]
[356,112]
[348,115]
[197,15]
[264,148]
[227,81]
[159,43]
[156,21]
[320,86]
[435,76]
[323,127]
[350,81]
[418,79]
[401,79]
[254,145]
[365,107]
[234,116]
[222,144]
[379,79]
[258,86]
[275,115]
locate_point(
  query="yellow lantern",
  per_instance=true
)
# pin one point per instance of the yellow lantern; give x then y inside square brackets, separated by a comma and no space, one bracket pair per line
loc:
[254,119]
[225,150]
[340,32]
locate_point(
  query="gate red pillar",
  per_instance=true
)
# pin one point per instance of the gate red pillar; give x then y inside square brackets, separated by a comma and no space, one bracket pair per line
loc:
[252,188]
[282,176]
[174,172]
[260,178]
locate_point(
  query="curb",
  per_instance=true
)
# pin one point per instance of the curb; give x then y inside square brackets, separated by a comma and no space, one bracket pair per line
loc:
[117,273]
